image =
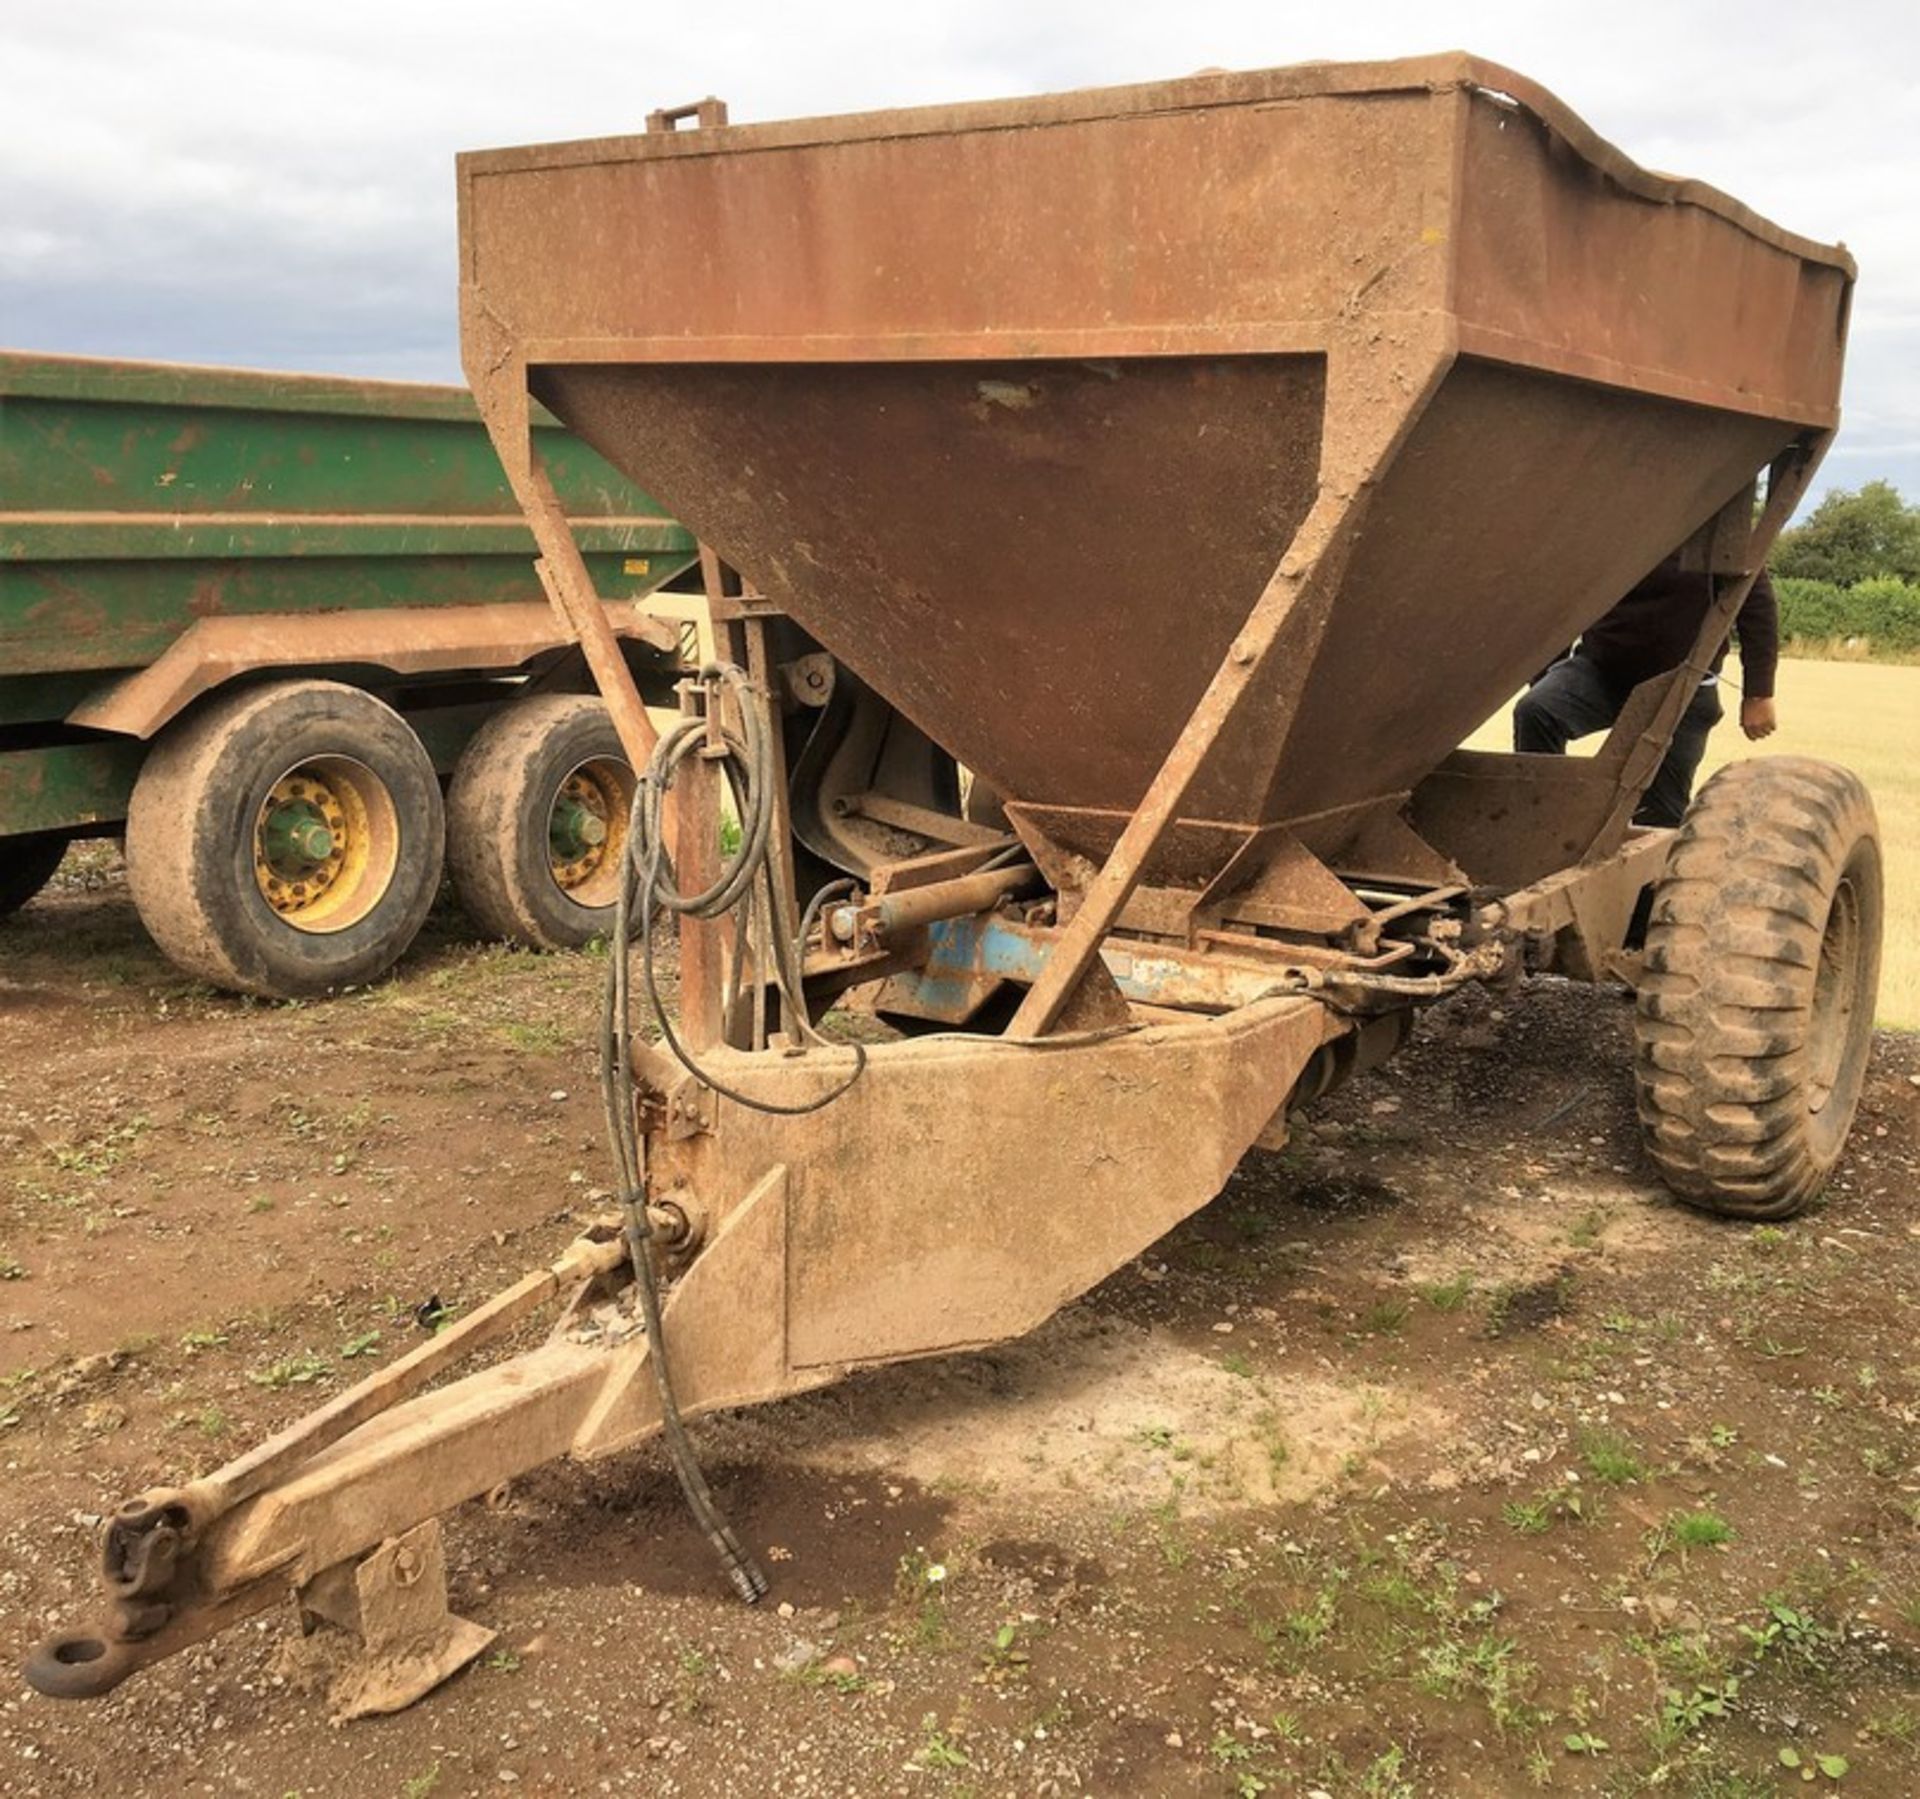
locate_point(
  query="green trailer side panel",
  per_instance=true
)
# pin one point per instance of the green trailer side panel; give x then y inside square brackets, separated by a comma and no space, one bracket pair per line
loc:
[99,448]
[86,537]
[65,616]
[137,499]
[68,787]
[43,375]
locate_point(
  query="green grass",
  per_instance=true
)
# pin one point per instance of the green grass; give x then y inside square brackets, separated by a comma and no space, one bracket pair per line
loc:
[1699,1530]
[1447,1295]
[1531,1517]
[1860,714]
[1610,1459]
[1385,1317]
[300,1370]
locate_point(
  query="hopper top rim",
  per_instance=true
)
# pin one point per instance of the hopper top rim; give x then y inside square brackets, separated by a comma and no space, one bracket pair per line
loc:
[1448,71]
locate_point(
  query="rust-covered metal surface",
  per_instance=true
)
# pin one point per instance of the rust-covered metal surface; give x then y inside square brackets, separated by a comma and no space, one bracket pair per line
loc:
[1017,406]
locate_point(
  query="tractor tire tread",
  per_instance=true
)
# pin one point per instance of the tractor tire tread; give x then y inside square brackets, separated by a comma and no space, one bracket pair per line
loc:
[1725,1003]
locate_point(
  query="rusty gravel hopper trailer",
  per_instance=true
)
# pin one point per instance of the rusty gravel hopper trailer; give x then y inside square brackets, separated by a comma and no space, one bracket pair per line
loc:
[1215,456]
[249,618]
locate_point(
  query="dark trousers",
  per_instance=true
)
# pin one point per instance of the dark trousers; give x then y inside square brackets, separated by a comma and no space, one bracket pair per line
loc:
[1573,698]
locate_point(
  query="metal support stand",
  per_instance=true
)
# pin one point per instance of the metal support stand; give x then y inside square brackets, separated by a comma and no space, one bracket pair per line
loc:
[395,1601]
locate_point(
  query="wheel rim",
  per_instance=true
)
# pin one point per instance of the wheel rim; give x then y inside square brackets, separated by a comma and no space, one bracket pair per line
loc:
[326,844]
[587,830]
[1836,996]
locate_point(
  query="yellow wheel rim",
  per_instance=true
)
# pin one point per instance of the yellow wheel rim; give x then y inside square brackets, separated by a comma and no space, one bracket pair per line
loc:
[326,843]
[587,830]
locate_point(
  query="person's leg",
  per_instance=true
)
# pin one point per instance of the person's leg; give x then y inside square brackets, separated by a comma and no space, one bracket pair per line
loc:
[1665,801]
[1572,699]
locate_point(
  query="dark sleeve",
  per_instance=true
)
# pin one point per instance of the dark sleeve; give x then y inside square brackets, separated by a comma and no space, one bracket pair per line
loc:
[1758,628]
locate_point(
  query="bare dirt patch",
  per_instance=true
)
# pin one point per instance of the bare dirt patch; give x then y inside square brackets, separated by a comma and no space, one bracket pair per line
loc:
[1113,1413]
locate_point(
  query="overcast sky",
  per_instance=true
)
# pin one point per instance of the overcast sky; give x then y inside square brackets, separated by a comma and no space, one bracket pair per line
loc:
[270,182]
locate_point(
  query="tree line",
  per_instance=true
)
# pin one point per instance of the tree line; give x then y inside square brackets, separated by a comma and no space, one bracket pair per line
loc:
[1848,576]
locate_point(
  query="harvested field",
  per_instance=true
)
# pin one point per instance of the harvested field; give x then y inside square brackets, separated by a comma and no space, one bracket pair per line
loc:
[1443,1454]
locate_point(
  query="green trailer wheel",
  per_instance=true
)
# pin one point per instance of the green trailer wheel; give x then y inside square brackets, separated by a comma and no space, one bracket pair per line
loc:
[287,839]
[26,865]
[537,822]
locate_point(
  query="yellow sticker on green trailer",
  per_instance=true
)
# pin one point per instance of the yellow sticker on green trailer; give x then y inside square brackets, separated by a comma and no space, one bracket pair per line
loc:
[636,565]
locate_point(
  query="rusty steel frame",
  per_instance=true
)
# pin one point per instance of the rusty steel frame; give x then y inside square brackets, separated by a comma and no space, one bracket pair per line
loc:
[815,1245]
[818,1245]
[889,1225]
[1373,403]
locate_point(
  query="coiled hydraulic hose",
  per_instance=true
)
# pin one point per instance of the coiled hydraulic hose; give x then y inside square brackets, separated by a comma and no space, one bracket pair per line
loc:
[748,889]
[746,886]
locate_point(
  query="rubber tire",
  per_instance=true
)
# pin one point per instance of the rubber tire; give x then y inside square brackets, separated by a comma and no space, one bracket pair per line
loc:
[190,838]
[1726,1018]
[498,807]
[26,865]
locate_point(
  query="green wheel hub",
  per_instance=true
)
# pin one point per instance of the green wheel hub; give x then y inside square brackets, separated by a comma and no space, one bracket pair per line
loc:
[326,842]
[574,829]
[587,830]
[297,838]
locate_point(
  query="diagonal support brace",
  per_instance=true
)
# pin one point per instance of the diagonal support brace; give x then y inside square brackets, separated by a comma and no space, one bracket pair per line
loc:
[1277,644]
[1641,757]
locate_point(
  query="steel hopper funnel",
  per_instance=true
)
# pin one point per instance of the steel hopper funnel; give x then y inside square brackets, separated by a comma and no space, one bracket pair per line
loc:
[1018,407]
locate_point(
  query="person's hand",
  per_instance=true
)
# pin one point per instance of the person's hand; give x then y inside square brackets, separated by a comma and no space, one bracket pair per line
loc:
[1758,719]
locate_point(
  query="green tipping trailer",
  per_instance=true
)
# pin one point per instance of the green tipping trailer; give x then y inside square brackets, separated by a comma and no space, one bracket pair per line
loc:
[258,622]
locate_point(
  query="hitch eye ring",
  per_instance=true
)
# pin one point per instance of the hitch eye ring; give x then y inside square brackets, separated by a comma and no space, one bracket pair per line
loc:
[78,1664]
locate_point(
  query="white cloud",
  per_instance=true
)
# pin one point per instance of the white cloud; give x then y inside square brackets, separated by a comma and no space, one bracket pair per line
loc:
[228,181]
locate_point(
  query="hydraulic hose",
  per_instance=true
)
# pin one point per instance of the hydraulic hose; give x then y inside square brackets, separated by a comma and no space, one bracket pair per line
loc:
[747,888]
